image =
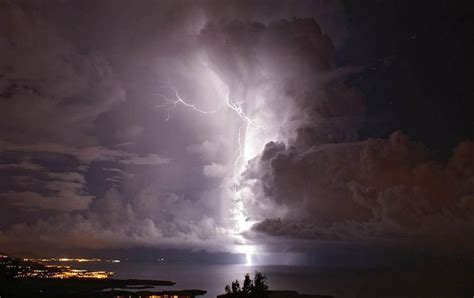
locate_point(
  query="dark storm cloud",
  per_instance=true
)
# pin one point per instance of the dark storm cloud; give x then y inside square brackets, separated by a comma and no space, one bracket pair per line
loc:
[24,164]
[84,155]
[44,78]
[374,190]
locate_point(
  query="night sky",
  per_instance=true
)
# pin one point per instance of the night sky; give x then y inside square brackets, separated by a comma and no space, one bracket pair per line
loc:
[272,129]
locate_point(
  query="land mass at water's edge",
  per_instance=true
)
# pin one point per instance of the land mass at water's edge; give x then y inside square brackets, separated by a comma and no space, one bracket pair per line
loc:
[93,288]
[27,278]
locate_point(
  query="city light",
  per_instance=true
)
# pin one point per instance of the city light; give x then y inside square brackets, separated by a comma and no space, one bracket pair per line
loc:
[34,268]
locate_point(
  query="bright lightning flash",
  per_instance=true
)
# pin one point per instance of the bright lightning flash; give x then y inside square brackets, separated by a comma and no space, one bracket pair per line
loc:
[172,103]
[241,222]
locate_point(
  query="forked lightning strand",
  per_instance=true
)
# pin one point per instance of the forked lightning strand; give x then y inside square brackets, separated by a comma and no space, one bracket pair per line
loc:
[170,103]
[247,122]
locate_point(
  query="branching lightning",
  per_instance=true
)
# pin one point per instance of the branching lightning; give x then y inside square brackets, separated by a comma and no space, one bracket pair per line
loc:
[235,106]
[170,103]
[247,123]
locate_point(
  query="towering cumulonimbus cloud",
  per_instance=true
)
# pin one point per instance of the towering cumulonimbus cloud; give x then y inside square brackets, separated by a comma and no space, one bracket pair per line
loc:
[285,74]
[315,178]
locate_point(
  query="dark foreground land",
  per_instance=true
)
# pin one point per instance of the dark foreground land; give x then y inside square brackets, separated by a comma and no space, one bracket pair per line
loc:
[52,288]
[133,288]
[275,294]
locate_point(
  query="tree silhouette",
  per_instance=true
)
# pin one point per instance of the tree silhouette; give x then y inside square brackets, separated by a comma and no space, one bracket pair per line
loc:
[260,286]
[256,288]
[236,286]
[248,284]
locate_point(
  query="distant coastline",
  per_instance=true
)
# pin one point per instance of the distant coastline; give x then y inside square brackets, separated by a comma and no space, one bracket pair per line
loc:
[28,278]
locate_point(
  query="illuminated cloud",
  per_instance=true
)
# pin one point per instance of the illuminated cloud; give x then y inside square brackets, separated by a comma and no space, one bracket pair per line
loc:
[215,170]
[207,149]
[373,190]
[115,221]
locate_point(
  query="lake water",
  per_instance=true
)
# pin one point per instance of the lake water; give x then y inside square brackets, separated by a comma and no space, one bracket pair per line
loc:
[340,282]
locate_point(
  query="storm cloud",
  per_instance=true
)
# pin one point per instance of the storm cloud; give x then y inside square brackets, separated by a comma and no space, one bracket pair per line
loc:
[377,190]
[98,152]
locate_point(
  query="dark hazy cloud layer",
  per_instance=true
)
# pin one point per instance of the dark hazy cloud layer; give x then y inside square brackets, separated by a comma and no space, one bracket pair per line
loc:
[375,191]
[93,157]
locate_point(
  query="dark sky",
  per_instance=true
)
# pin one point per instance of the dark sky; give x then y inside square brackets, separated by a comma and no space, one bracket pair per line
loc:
[257,127]
[420,60]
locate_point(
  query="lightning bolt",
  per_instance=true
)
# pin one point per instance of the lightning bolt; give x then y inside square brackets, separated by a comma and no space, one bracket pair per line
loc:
[241,223]
[172,103]
[247,124]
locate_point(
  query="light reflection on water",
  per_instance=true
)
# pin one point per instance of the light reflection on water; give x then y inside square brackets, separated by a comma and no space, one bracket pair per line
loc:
[313,280]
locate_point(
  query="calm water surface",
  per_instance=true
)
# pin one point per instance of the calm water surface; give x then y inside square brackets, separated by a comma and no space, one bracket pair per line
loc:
[419,282]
